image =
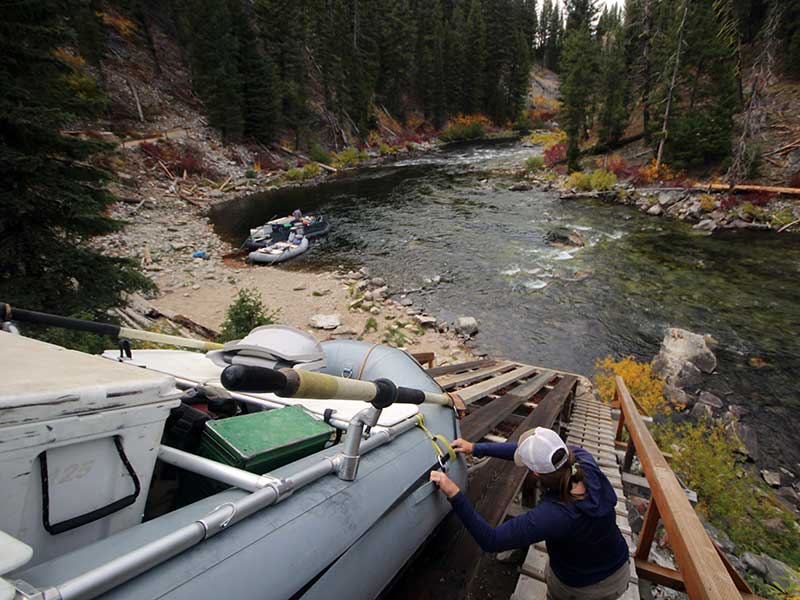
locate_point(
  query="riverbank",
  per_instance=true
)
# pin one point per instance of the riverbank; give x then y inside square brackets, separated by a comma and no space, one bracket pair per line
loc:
[197,274]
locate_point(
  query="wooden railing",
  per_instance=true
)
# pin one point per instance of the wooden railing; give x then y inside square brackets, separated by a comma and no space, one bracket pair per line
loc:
[703,571]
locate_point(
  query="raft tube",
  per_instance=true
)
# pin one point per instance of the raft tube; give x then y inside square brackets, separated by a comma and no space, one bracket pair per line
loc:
[270,254]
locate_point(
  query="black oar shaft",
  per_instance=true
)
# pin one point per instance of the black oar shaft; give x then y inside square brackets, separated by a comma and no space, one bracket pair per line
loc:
[31,316]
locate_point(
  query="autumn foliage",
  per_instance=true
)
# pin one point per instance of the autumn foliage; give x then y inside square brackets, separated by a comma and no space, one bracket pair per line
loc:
[643,386]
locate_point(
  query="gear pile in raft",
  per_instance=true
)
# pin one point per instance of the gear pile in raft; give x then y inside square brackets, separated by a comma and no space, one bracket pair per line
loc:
[281,239]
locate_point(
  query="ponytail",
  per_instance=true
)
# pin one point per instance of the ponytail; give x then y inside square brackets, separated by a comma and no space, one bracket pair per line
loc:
[562,480]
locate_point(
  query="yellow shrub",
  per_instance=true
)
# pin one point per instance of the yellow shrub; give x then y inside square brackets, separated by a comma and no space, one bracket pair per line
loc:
[708,203]
[646,389]
[579,181]
[603,180]
[547,139]
[649,173]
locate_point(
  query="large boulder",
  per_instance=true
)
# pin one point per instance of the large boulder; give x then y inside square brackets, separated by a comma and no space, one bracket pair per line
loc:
[683,356]
[466,325]
[710,399]
[780,574]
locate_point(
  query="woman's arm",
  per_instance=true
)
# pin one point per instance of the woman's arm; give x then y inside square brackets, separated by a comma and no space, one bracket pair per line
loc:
[505,450]
[519,532]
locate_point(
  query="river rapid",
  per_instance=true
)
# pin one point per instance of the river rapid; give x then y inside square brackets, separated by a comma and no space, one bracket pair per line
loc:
[449,215]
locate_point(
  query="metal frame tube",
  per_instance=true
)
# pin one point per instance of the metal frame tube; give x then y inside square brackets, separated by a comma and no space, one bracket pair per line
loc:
[115,572]
[213,469]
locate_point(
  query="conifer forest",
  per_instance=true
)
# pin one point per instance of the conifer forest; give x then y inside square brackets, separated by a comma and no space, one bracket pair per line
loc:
[601,187]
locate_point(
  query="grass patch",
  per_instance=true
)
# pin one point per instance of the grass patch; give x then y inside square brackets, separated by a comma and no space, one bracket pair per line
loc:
[534,164]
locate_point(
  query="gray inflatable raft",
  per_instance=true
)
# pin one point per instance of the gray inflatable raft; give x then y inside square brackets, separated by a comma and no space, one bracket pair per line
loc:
[324,537]
[278,252]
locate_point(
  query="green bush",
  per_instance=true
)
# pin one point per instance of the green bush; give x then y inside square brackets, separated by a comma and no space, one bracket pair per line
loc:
[457,131]
[250,174]
[311,170]
[319,154]
[363,154]
[603,180]
[524,123]
[384,149]
[245,313]
[294,174]
[346,158]
[534,163]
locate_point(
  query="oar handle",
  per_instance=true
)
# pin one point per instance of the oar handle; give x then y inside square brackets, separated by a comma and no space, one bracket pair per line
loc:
[292,383]
[7,313]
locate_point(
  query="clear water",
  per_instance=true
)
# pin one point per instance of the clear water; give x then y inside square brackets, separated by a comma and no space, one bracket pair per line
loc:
[445,215]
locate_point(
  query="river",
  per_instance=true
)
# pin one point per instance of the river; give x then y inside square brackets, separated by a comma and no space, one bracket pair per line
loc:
[447,215]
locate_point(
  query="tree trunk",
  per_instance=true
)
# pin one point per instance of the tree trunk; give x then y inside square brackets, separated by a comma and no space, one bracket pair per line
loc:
[648,41]
[665,124]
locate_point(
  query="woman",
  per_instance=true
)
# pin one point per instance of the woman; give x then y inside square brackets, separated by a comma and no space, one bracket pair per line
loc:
[576,516]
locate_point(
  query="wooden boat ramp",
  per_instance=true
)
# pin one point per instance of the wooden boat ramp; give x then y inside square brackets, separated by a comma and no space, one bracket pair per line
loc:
[506,398]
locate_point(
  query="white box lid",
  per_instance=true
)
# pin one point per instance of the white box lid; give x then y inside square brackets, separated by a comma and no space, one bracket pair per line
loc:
[40,381]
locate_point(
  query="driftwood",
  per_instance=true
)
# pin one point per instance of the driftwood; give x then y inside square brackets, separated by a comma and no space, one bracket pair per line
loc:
[788,225]
[136,98]
[224,183]
[302,156]
[743,187]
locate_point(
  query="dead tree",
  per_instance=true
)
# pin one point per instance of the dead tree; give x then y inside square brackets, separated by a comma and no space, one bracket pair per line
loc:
[665,124]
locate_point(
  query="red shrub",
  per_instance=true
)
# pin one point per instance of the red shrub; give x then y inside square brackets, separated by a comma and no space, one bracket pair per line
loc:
[555,154]
[729,202]
[794,180]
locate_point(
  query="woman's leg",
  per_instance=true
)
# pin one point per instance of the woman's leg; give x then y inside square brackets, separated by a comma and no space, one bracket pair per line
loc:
[610,588]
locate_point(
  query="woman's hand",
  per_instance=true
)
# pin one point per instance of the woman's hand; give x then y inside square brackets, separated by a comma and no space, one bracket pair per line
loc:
[444,483]
[462,446]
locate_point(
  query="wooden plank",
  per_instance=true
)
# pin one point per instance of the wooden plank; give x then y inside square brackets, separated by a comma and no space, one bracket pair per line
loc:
[477,424]
[496,484]
[447,382]
[459,368]
[535,564]
[664,576]
[479,390]
[529,588]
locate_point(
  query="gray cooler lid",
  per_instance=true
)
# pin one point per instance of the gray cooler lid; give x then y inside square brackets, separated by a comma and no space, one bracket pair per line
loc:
[42,381]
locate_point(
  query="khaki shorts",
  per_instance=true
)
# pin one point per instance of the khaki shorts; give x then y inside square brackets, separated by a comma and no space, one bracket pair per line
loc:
[610,588]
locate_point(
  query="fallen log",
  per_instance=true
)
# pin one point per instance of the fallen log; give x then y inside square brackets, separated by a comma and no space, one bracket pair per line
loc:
[302,156]
[744,187]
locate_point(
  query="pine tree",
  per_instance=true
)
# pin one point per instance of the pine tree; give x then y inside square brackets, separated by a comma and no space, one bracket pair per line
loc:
[613,85]
[475,79]
[700,127]
[215,70]
[455,60]
[578,72]
[430,60]
[54,199]
[395,47]
[283,27]
[259,98]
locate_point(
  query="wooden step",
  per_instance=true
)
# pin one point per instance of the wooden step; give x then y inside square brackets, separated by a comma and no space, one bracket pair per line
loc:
[480,390]
[452,380]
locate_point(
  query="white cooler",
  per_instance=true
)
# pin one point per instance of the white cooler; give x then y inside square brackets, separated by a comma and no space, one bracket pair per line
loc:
[79,437]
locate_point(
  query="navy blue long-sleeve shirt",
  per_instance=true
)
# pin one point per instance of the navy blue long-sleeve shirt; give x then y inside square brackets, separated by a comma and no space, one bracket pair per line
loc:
[583,541]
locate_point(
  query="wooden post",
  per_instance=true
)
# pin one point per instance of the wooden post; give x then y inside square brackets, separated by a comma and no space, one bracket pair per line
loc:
[648,532]
[629,454]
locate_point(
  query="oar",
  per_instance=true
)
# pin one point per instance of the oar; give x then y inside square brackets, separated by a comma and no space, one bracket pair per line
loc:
[293,383]
[31,316]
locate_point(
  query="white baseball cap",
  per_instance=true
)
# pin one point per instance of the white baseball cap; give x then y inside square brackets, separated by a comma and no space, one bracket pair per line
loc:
[535,450]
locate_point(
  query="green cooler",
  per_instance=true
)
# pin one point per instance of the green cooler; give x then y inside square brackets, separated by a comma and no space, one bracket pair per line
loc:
[266,440]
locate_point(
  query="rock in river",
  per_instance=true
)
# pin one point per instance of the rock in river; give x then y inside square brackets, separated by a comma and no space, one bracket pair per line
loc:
[562,236]
[325,321]
[682,357]
[467,325]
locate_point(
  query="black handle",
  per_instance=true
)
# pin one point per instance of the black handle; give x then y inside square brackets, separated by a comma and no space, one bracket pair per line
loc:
[410,396]
[259,380]
[94,515]
[9,313]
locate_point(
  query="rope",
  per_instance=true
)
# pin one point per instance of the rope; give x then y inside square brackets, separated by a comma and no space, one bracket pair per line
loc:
[437,437]
[364,362]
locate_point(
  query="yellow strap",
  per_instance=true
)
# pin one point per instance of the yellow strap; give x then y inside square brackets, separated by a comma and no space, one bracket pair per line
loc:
[436,437]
